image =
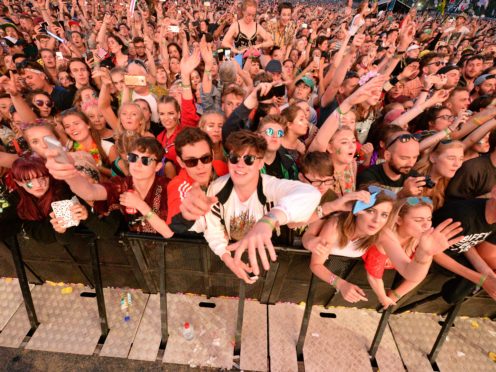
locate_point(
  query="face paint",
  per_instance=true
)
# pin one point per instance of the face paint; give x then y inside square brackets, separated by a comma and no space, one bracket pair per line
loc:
[29,185]
[338,151]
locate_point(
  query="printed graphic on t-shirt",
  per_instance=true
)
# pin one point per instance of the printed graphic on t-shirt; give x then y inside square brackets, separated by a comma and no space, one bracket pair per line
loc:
[469,241]
[241,224]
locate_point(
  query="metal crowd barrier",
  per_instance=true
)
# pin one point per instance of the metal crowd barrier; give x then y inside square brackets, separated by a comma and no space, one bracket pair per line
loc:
[157,265]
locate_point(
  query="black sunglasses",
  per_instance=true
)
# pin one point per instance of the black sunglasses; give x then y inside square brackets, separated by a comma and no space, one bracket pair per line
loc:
[191,163]
[248,159]
[403,139]
[22,65]
[40,103]
[145,160]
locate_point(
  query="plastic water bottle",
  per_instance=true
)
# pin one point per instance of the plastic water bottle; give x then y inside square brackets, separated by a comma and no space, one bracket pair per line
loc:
[188,331]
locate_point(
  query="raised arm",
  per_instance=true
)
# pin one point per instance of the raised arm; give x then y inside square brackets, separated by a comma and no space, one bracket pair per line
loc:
[431,243]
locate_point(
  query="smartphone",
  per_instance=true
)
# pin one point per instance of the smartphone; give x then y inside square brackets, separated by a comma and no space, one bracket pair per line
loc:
[227,53]
[137,81]
[174,29]
[89,55]
[54,144]
[59,56]
[304,25]
[101,53]
[206,3]
[62,210]
[275,91]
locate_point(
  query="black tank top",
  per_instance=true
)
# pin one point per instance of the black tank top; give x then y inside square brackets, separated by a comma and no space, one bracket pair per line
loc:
[242,41]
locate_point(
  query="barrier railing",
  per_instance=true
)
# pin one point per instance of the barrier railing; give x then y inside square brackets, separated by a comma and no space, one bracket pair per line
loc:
[162,265]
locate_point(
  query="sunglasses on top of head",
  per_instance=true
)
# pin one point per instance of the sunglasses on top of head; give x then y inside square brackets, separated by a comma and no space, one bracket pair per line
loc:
[145,160]
[248,159]
[403,139]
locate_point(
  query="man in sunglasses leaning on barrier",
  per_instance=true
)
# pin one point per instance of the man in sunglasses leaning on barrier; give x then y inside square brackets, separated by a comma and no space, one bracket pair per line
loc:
[245,207]
[141,197]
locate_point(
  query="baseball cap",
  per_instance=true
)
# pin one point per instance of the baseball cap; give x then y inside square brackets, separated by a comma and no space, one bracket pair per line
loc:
[308,82]
[481,79]
[274,66]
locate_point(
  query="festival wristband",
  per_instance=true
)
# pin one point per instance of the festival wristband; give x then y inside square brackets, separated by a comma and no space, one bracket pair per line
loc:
[481,281]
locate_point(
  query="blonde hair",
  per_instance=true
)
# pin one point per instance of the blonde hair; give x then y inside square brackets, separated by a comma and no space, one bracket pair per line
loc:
[246,3]
[347,224]
[424,167]
[406,207]
[143,125]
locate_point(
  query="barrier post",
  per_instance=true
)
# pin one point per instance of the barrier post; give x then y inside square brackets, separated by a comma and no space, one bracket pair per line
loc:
[163,297]
[380,331]
[306,318]
[443,333]
[97,278]
[23,283]
[239,322]
[270,277]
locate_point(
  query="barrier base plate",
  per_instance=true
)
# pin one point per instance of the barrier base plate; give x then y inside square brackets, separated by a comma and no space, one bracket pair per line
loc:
[254,337]
[10,299]
[352,332]
[122,332]
[148,337]
[284,327]
[463,350]
[213,343]
[68,322]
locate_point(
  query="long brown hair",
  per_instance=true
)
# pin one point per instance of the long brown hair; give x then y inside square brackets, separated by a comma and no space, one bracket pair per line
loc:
[346,224]
[93,133]
[424,167]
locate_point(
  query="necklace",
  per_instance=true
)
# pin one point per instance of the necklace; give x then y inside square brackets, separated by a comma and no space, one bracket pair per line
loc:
[93,150]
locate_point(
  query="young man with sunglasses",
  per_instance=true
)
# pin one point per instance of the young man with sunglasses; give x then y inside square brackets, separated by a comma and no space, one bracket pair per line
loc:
[276,162]
[194,150]
[35,78]
[401,154]
[246,206]
[141,197]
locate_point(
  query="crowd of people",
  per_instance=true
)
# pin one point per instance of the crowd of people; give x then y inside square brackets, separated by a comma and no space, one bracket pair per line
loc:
[369,133]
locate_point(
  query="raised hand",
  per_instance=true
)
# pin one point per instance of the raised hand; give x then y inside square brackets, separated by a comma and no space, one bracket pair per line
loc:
[196,204]
[438,239]
[438,97]
[190,62]
[206,53]
[368,90]
[9,84]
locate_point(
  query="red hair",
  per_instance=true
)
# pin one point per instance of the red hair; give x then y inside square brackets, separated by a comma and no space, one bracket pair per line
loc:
[29,207]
